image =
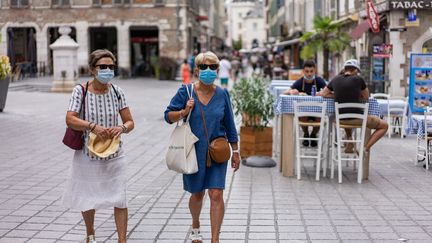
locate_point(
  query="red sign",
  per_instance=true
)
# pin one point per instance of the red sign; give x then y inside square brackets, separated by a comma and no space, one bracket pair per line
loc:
[144,39]
[373,17]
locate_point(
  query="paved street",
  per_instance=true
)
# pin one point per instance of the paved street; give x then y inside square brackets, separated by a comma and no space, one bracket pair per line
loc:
[262,206]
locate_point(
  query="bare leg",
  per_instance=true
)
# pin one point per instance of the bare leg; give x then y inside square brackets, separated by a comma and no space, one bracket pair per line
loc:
[195,205]
[121,220]
[88,217]
[217,209]
[379,133]
[348,132]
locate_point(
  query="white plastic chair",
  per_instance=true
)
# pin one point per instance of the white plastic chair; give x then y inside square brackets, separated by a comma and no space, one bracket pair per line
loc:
[424,149]
[358,139]
[380,96]
[397,116]
[302,109]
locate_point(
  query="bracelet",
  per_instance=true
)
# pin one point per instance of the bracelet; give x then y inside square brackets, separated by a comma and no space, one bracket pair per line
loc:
[235,151]
[181,115]
[89,126]
[94,126]
[124,128]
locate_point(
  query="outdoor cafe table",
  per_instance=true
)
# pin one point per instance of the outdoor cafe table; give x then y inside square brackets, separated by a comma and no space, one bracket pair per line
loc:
[285,107]
[416,125]
[385,104]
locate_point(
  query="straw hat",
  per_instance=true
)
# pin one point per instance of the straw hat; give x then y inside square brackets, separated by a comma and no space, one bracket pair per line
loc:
[102,148]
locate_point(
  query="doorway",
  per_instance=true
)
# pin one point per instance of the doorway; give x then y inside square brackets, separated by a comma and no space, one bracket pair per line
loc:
[22,50]
[103,38]
[144,46]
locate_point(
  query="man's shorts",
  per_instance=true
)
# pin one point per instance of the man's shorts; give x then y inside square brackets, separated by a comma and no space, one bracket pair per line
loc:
[371,123]
[224,81]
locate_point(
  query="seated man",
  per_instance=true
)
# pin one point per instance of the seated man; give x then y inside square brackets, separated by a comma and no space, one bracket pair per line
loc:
[304,86]
[349,87]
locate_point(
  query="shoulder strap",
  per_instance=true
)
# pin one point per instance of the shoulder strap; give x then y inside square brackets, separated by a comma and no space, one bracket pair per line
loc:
[190,96]
[208,160]
[115,91]
[84,90]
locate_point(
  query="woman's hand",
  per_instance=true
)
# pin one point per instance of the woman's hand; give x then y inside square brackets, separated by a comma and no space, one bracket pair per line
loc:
[115,131]
[235,161]
[189,106]
[102,132]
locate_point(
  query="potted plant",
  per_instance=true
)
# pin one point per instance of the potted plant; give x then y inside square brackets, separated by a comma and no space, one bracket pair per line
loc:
[254,103]
[5,72]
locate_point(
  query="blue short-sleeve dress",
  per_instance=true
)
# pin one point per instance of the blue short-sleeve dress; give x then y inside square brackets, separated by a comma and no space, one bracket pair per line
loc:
[220,122]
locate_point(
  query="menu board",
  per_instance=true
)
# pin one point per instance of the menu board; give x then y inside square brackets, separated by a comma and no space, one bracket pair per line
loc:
[420,94]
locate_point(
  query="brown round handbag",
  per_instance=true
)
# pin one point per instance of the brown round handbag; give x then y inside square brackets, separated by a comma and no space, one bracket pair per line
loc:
[218,150]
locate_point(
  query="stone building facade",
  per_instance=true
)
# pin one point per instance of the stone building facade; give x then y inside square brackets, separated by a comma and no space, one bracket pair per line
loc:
[137,31]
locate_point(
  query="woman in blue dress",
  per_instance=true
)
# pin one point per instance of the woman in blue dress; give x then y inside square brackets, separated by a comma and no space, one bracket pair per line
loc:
[216,105]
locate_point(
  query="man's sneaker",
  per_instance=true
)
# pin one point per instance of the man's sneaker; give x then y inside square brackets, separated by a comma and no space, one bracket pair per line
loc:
[306,142]
[90,239]
[196,236]
[313,143]
[349,148]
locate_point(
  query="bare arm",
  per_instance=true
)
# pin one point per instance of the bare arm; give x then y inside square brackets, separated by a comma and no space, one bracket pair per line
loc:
[76,123]
[175,116]
[326,93]
[293,92]
[127,120]
[364,95]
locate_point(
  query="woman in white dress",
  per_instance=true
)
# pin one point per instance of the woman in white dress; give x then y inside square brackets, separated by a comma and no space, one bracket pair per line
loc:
[95,182]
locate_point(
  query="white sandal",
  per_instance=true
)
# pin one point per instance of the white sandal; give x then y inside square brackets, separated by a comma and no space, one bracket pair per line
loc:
[90,239]
[196,236]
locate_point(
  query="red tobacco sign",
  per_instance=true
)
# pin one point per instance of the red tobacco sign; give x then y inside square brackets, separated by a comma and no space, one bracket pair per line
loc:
[373,17]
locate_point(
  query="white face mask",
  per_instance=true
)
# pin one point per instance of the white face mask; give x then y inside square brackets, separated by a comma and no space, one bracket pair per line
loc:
[309,79]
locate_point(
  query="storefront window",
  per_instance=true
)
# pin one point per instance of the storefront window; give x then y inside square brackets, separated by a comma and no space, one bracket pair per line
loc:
[427,46]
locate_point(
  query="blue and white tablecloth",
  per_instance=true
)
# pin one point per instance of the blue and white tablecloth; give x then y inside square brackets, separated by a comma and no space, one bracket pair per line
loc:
[285,105]
[416,125]
[384,105]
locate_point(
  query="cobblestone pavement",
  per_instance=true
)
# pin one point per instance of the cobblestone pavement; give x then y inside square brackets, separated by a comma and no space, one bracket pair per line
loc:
[261,205]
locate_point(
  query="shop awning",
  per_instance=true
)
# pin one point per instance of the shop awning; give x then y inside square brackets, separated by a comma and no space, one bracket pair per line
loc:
[359,30]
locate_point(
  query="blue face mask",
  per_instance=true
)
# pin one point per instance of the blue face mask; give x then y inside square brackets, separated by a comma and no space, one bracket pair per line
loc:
[105,75]
[207,76]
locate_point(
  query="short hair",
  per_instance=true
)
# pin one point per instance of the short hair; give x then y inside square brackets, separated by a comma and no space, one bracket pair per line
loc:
[309,63]
[98,54]
[202,57]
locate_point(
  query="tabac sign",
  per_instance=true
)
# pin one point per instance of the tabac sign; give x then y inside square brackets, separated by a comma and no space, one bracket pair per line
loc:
[373,17]
[410,4]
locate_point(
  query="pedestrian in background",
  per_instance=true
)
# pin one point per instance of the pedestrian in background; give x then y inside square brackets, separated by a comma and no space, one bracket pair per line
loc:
[192,61]
[213,106]
[185,72]
[96,182]
[224,71]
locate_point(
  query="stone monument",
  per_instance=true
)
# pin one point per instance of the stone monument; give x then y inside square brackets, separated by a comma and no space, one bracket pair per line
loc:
[65,62]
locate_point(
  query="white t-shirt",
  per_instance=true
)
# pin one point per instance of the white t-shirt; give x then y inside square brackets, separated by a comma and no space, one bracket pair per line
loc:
[224,68]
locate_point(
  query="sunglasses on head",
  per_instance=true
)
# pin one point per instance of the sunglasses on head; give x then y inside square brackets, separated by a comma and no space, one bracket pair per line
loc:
[105,66]
[211,66]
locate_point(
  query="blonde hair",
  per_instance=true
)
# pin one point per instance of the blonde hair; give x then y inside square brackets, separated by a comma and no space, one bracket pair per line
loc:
[202,57]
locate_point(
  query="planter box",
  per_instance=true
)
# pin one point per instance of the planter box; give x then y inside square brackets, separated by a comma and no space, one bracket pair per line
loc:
[256,141]
[4,86]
